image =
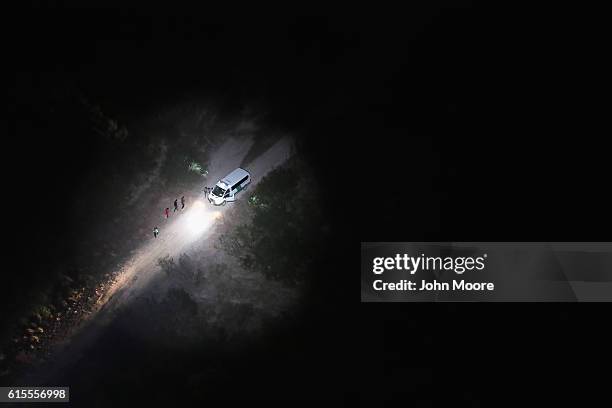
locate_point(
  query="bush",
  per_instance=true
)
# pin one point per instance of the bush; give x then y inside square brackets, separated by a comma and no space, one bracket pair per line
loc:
[167,264]
[285,228]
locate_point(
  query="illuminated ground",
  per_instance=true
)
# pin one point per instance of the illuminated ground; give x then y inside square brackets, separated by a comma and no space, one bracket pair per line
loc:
[191,233]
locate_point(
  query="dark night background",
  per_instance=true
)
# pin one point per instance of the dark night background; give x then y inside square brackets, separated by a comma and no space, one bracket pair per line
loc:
[451,122]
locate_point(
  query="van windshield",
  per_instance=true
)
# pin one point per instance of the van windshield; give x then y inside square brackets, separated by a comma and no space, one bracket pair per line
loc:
[218,191]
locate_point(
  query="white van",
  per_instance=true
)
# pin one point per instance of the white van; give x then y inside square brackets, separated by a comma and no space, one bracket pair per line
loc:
[225,190]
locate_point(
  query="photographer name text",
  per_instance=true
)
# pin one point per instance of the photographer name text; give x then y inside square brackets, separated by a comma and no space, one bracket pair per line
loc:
[424,285]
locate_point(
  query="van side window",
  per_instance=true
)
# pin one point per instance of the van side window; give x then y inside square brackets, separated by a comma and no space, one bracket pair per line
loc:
[242,181]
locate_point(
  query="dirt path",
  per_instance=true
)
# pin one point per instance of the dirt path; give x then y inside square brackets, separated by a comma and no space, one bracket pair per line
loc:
[178,233]
[194,223]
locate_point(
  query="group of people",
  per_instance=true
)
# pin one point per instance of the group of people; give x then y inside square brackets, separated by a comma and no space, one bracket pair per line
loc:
[167,213]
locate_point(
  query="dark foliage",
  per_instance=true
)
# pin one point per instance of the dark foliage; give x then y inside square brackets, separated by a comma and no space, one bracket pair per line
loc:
[287,230]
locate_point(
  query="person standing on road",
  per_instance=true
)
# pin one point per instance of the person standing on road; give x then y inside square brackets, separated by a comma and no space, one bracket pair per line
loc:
[182,202]
[167,212]
[175,205]
[155,232]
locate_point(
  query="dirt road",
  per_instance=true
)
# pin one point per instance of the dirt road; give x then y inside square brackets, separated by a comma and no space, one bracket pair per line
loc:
[142,276]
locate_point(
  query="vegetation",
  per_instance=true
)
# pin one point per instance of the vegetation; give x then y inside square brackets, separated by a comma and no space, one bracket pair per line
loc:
[286,228]
[108,192]
[196,167]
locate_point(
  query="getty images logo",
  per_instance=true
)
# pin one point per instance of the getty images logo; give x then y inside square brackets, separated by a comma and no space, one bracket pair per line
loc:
[412,264]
